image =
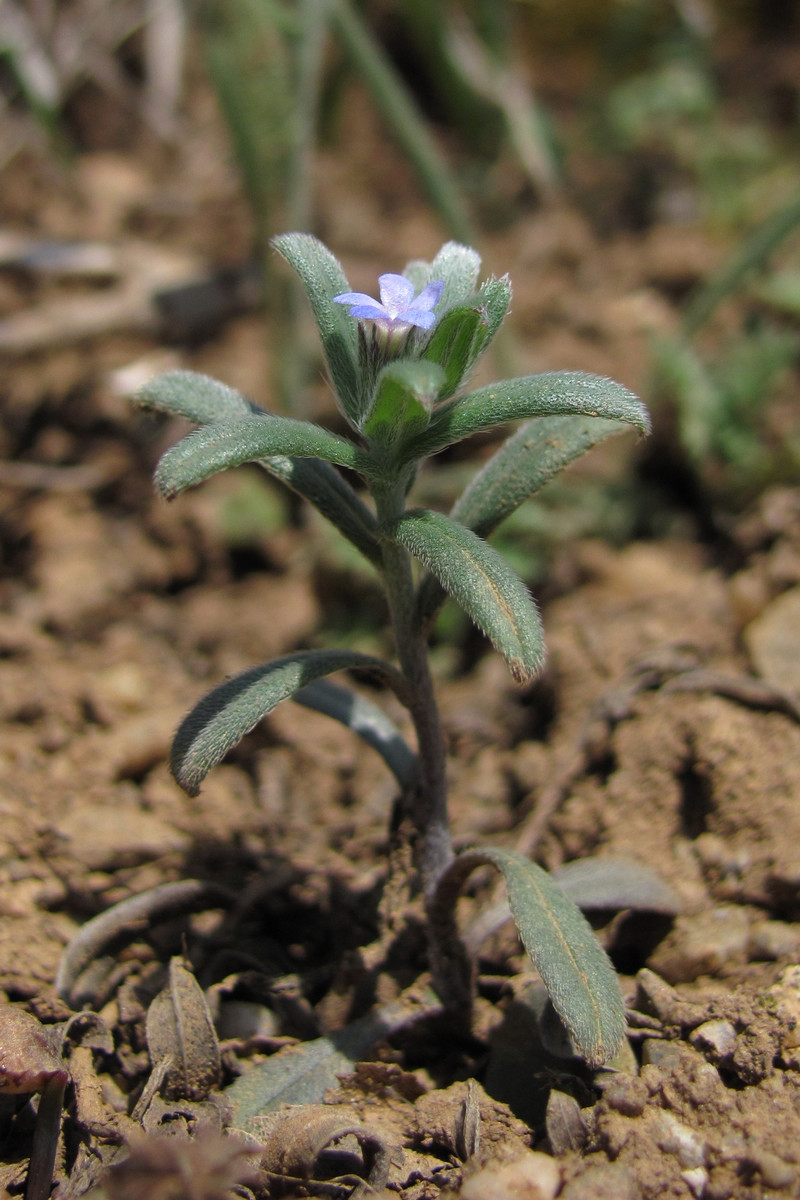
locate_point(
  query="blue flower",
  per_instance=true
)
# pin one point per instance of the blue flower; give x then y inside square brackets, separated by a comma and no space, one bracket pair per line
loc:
[398,307]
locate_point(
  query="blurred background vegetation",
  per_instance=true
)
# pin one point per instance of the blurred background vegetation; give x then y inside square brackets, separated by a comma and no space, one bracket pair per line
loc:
[618,119]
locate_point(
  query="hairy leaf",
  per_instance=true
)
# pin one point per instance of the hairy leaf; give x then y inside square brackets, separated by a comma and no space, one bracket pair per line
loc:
[196,397]
[614,883]
[207,401]
[215,448]
[576,971]
[323,278]
[404,399]
[456,265]
[302,1074]
[367,720]
[524,464]
[455,343]
[227,713]
[482,582]
[556,393]
[323,486]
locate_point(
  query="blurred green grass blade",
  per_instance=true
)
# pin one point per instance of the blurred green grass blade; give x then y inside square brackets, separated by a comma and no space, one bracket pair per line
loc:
[749,256]
[247,45]
[402,116]
[524,464]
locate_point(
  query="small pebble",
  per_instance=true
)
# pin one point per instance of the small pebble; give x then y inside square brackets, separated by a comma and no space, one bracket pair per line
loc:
[535,1176]
[607,1181]
[716,1037]
[673,1137]
[626,1095]
[696,1180]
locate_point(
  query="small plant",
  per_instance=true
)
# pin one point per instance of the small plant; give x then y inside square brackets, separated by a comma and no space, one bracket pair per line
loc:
[397,366]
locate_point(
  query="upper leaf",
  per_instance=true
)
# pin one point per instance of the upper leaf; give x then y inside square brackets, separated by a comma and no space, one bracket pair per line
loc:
[456,265]
[455,343]
[482,582]
[524,464]
[196,397]
[215,448]
[323,278]
[553,393]
[226,714]
[404,399]
[207,401]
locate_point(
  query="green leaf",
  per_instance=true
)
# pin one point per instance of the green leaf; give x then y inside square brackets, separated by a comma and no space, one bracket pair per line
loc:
[217,447]
[578,975]
[303,1074]
[367,720]
[457,266]
[455,343]
[206,401]
[226,714]
[556,393]
[196,397]
[524,464]
[404,399]
[323,278]
[482,582]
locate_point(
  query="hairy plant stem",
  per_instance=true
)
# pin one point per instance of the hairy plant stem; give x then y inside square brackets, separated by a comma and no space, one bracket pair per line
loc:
[428,810]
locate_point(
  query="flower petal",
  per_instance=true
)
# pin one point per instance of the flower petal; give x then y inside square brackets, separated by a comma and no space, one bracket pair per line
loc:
[370,312]
[354,298]
[420,317]
[429,296]
[397,292]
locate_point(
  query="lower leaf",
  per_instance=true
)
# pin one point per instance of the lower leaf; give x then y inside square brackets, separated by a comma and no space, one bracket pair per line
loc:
[576,971]
[225,715]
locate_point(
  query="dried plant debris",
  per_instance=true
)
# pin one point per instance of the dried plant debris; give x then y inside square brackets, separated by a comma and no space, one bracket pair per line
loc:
[181,1033]
[207,1167]
[29,1063]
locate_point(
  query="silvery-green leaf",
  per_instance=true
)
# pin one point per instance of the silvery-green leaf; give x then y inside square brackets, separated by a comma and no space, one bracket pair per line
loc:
[302,1074]
[456,265]
[218,447]
[482,582]
[323,486]
[609,882]
[524,464]
[323,278]
[555,393]
[495,297]
[207,401]
[367,720]
[578,975]
[196,397]
[226,714]
[404,397]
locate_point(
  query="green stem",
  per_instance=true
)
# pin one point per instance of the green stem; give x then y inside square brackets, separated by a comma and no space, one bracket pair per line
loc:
[429,808]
